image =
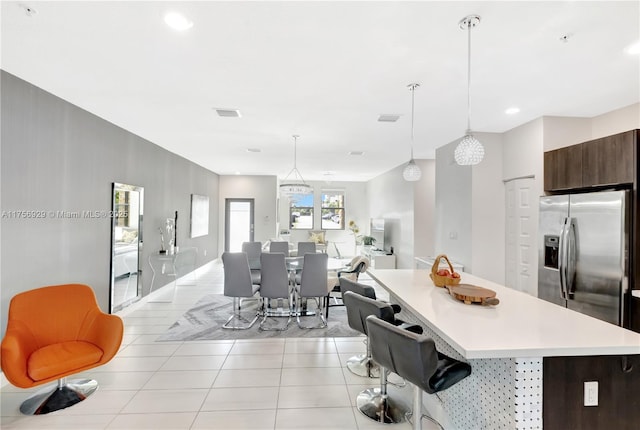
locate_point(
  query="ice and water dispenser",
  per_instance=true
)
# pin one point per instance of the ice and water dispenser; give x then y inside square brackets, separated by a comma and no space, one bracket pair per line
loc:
[551,245]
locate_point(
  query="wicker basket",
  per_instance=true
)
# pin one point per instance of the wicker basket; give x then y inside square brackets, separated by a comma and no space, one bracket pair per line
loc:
[439,280]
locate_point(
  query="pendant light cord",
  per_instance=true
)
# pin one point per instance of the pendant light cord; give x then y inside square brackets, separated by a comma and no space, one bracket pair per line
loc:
[413,95]
[469,25]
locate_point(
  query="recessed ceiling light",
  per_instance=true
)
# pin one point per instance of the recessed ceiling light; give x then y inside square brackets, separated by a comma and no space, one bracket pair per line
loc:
[229,113]
[385,117]
[177,21]
[254,150]
[356,152]
[633,49]
[512,110]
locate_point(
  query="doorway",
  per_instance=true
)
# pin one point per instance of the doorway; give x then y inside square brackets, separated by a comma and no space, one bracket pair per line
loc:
[238,223]
[521,252]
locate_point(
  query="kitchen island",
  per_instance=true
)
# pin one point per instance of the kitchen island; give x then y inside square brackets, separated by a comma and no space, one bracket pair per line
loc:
[508,346]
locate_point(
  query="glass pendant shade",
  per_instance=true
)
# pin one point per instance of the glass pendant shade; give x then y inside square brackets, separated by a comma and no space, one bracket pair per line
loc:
[469,151]
[298,188]
[411,172]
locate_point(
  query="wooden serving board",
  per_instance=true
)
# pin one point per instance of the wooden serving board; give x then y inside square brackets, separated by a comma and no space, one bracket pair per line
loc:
[473,294]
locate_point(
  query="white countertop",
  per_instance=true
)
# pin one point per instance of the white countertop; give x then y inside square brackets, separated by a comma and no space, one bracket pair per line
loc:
[520,326]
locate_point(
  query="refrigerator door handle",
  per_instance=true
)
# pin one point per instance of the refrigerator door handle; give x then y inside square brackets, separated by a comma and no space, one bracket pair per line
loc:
[570,276]
[562,260]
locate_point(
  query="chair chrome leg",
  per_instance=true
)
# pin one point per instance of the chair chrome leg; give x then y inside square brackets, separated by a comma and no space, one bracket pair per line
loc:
[376,404]
[237,316]
[319,314]
[63,395]
[267,314]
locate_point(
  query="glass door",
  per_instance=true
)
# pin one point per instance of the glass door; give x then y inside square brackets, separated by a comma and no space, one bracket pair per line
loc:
[238,223]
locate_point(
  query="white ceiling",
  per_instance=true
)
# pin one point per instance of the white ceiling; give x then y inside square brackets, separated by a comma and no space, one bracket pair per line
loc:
[325,71]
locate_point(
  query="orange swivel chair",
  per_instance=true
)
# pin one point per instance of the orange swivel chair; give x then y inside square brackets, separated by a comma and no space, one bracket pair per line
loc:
[53,332]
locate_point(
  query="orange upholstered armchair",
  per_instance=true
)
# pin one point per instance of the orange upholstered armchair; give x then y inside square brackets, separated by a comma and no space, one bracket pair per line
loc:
[53,332]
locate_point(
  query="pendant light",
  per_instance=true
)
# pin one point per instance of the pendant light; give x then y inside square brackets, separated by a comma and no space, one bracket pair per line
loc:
[469,151]
[298,187]
[411,171]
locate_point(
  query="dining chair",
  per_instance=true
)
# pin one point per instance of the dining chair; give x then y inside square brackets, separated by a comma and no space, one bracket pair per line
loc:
[359,264]
[279,246]
[274,286]
[313,284]
[237,284]
[305,248]
[253,250]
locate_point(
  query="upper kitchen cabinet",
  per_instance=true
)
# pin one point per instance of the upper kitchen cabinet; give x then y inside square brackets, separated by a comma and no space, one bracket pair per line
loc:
[609,160]
[600,162]
[563,168]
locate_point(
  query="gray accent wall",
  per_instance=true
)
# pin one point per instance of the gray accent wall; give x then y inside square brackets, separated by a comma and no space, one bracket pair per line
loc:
[58,157]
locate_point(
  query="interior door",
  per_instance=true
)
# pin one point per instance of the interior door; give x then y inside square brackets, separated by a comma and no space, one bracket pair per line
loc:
[238,223]
[521,250]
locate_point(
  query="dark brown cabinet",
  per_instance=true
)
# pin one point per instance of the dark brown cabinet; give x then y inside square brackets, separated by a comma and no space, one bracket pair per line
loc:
[609,161]
[600,162]
[563,168]
[618,380]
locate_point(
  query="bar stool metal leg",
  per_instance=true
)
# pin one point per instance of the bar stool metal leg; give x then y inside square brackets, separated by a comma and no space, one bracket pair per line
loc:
[376,404]
[417,415]
[363,365]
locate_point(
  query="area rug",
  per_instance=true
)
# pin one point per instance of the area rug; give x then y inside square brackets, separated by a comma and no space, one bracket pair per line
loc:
[204,322]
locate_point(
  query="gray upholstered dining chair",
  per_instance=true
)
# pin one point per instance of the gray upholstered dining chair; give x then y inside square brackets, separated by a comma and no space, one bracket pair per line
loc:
[313,284]
[237,284]
[306,248]
[415,358]
[279,246]
[274,286]
[253,250]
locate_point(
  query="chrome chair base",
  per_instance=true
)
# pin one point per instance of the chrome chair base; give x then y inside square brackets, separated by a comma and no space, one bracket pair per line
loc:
[63,395]
[362,365]
[319,315]
[381,408]
[269,313]
[236,316]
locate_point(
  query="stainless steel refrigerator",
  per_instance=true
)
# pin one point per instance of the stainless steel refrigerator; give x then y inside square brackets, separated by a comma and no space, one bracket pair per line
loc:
[584,252]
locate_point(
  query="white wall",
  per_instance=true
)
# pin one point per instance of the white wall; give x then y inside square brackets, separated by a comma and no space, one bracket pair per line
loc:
[391,197]
[424,199]
[620,120]
[355,201]
[263,189]
[488,212]
[453,207]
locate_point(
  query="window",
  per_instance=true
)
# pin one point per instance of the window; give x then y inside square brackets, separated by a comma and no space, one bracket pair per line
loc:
[332,210]
[301,213]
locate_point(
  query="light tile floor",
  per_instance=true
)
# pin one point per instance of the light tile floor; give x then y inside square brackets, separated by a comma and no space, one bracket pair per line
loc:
[242,384]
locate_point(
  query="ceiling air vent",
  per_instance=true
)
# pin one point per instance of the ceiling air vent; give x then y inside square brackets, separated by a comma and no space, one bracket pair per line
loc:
[356,153]
[230,113]
[388,118]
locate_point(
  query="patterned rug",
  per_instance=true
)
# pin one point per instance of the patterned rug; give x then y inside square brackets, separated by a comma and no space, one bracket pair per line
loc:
[204,322]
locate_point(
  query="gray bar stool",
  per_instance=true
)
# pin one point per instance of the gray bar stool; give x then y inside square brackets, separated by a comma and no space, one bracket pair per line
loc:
[415,358]
[362,364]
[374,402]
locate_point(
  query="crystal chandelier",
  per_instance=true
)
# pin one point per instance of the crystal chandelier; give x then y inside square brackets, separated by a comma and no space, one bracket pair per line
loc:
[297,187]
[469,151]
[411,171]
